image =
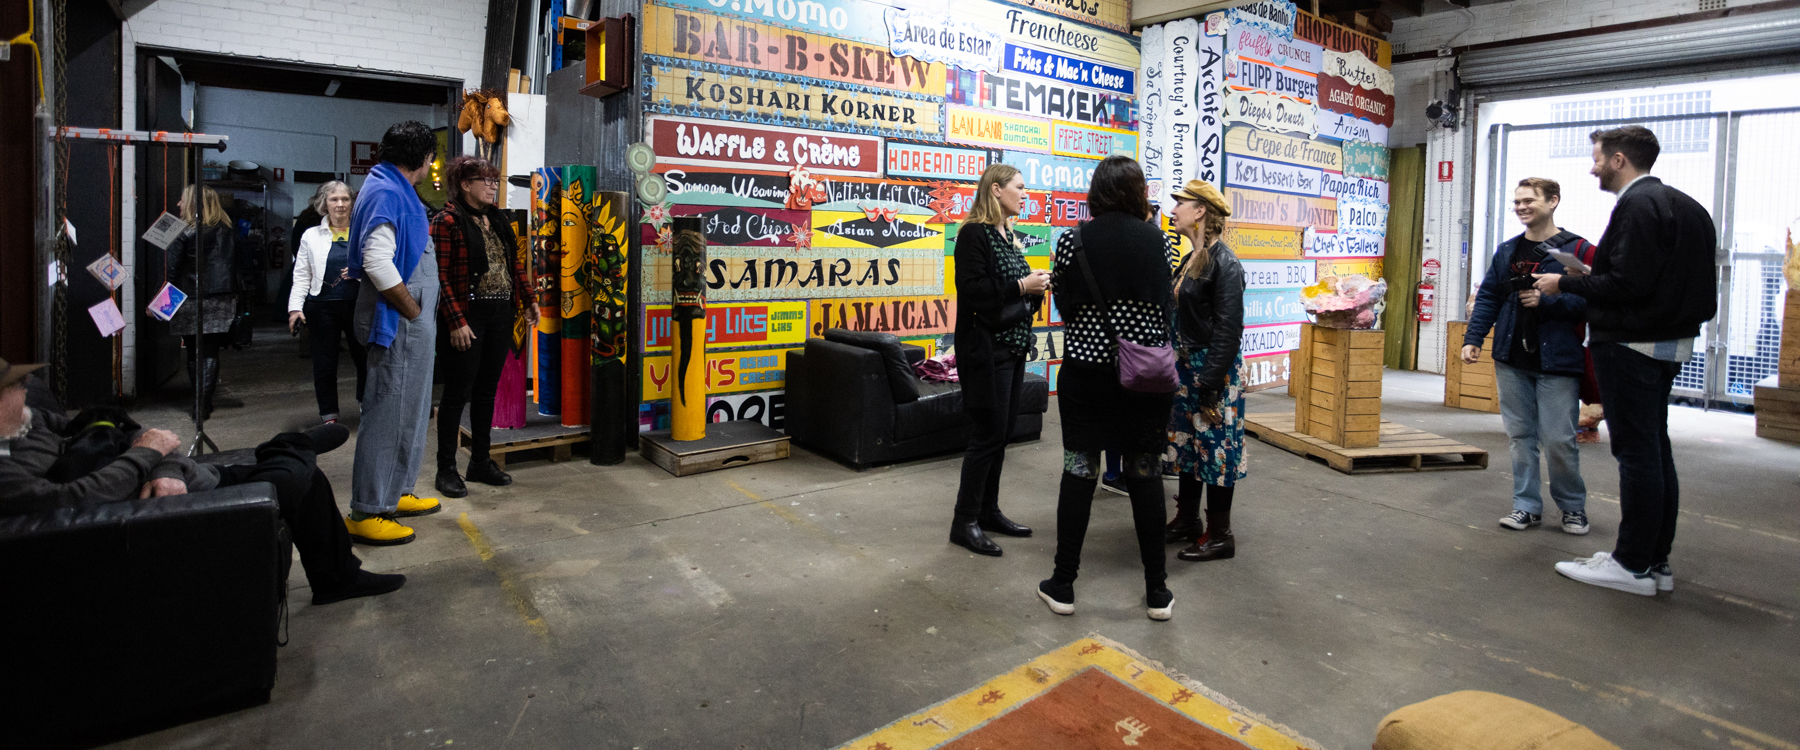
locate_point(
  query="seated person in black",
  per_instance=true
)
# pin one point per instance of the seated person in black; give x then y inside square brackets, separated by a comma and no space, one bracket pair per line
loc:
[32,441]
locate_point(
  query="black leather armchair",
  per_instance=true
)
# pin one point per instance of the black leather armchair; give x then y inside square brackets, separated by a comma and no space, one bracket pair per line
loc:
[130,616]
[840,404]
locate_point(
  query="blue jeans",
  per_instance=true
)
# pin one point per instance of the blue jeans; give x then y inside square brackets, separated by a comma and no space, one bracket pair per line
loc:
[1541,409]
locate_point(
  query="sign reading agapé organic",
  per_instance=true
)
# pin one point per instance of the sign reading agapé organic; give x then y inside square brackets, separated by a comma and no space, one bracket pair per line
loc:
[765,46]
[1340,96]
[759,100]
[719,144]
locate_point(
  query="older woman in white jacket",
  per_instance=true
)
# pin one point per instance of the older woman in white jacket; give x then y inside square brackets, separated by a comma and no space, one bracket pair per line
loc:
[324,295]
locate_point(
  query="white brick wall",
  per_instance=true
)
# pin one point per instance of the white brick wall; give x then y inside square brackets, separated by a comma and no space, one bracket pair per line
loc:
[1520,18]
[438,38]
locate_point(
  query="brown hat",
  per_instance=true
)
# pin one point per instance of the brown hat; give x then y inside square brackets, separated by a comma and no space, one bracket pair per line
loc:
[1203,191]
[10,373]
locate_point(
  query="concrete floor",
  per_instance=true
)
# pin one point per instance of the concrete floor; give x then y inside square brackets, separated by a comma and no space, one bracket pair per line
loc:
[800,604]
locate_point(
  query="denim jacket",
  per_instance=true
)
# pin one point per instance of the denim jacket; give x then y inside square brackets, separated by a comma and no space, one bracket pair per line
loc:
[1562,327]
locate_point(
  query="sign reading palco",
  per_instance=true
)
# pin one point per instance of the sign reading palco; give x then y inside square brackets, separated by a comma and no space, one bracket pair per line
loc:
[824,104]
[681,141]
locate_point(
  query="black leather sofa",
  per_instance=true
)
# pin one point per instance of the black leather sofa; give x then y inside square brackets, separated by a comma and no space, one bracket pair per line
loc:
[126,617]
[850,400]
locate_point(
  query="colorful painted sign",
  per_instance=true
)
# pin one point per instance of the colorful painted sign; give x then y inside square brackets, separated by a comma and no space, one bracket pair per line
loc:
[734,325]
[1370,267]
[1152,126]
[1245,74]
[734,225]
[935,162]
[1275,17]
[705,37]
[856,193]
[721,93]
[1356,69]
[726,372]
[1210,91]
[901,316]
[928,35]
[697,187]
[1276,147]
[768,408]
[970,125]
[1332,36]
[1258,44]
[1044,172]
[1340,245]
[1183,46]
[1340,96]
[1266,371]
[1068,209]
[1020,26]
[1112,14]
[1273,176]
[1355,188]
[761,273]
[1266,306]
[1035,240]
[1276,114]
[1279,274]
[1366,160]
[958,199]
[1269,339]
[1249,241]
[1035,98]
[846,19]
[1351,128]
[1073,71]
[1258,207]
[873,228]
[1363,216]
[1093,142]
[679,140]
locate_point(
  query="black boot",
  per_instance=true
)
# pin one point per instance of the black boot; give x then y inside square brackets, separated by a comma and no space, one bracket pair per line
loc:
[966,532]
[208,376]
[486,471]
[998,523]
[1185,527]
[1216,544]
[213,400]
[450,484]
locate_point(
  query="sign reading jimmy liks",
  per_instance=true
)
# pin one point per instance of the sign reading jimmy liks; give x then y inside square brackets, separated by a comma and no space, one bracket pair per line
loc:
[680,87]
[939,38]
[1070,70]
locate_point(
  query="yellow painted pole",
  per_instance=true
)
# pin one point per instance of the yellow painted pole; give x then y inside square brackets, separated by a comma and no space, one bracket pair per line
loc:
[687,405]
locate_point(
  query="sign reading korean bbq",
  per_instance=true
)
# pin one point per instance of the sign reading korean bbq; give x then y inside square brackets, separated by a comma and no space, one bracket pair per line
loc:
[935,162]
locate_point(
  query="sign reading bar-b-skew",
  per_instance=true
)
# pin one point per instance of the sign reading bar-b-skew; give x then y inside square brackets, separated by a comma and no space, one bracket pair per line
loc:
[765,46]
[677,87]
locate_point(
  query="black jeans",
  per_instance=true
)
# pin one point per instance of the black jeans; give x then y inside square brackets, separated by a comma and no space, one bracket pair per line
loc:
[1075,503]
[308,507]
[1634,389]
[471,377]
[992,415]
[332,321]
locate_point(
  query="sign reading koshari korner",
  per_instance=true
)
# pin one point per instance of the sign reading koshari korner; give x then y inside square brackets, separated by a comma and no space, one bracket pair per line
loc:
[681,140]
[678,87]
[935,162]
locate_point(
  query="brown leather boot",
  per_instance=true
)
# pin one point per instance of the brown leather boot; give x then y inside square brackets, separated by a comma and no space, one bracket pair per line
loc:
[1185,526]
[1221,546]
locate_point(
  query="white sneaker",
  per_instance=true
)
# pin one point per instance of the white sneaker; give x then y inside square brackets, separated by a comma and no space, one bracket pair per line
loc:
[1665,577]
[1602,570]
[1160,605]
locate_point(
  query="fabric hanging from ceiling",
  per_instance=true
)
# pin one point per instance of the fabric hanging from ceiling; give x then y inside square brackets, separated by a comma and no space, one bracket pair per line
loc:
[1405,250]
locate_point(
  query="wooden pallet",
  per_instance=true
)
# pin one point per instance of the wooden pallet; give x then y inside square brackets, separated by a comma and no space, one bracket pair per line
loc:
[726,445]
[1777,410]
[1401,448]
[539,433]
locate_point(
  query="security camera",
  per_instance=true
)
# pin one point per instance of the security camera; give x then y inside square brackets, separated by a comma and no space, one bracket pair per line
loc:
[1442,113]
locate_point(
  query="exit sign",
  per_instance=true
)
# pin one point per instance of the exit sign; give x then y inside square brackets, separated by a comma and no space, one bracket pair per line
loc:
[1446,171]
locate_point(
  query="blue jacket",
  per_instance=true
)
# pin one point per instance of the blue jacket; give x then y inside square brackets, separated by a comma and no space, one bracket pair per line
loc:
[387,198]
[1562,324]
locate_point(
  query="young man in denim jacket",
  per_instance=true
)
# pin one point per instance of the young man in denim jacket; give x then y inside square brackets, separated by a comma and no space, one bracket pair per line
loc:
[1539,357]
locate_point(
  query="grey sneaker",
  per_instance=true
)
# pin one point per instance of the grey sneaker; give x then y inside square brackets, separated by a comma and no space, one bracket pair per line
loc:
[1520,520]
[1575,522]
[1665,577]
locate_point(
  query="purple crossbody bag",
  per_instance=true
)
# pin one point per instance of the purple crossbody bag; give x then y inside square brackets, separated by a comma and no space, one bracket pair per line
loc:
[1144,369]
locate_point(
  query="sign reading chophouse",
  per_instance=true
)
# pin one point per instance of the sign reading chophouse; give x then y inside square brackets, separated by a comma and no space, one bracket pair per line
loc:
[720,144]
[757,100]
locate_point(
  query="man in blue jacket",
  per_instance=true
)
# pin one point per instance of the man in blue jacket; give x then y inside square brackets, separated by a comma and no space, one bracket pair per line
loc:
[396,314]
[1538,357]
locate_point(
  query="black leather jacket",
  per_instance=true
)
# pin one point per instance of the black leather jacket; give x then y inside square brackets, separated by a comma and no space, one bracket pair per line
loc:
[221,256]
[1209,314]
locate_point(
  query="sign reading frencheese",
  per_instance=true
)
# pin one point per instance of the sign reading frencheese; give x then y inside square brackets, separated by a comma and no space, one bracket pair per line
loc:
[935,162]
[1112,14]
[767,47]
[673,89]
[969,125]
[734,325]
[720,144]
[1276,147]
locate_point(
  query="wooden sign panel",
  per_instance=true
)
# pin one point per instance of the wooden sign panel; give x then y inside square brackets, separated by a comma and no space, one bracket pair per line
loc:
[682,140]
[763,273]
[672,87]
[901,316]
[873,229]
[1283,210]
[971,125]
[762,324]
[705,37]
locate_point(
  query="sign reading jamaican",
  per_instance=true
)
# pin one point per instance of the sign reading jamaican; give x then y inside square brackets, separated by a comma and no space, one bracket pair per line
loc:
[1258,44]
[1340,96]
[1112,14]
[743,226]
[1093,142]
[1351,128]
[1035,98]
[1074,71]
[969,125]
[1366,160]
[875,228]
[1258,207]
[736,274]
[1278,114]
[1253,75]
[1276,147]
[711,143]
[734,325]
[695,187]
[935,162]
[678,87]
[901,316]
[1249,241]
[762,46]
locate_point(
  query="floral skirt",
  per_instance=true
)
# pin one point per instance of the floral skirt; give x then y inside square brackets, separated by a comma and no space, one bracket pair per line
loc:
[1212,453]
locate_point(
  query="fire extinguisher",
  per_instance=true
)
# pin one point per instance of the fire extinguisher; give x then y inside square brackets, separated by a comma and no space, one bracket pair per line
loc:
[1427,296]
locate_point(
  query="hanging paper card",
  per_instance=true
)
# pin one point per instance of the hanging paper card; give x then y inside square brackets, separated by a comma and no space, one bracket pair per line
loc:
[166,302]
[934,37]
[164,230]
[108,271]
[1278,114]
[106,317]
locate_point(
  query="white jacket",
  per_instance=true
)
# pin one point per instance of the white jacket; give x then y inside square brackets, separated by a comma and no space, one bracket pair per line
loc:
[309,264]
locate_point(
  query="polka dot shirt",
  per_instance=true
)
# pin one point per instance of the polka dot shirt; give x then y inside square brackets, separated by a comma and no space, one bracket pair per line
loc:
[1137,321]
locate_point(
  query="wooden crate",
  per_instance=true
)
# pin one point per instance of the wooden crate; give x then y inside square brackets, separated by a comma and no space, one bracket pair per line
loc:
[1470,386]
[1778,409]
[1401,448]
[1336,384]
[1789,370]
[539,433]
[726,445]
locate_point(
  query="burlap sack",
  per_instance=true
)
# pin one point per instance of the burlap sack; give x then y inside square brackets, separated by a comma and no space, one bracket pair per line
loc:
[1474,720]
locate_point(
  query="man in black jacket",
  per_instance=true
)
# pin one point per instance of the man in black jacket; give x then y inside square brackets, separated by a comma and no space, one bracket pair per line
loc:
[1653,284]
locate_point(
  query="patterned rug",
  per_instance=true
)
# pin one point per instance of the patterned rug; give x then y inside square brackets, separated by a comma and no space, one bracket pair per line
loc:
[1093,693]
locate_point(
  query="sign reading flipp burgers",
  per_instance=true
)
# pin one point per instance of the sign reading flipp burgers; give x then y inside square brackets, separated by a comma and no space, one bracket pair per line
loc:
[935,162]
[711,143]
[1260,76]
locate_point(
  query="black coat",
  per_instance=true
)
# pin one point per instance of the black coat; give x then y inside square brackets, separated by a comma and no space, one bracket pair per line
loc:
[1210,314]
[220,274]
[1654,276]
[980,286]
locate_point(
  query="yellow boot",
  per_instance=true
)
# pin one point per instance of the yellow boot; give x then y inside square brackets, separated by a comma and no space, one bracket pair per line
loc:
[413,505]
[379,531]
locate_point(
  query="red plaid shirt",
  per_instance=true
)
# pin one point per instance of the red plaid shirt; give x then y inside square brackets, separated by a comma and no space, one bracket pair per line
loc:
[454,281]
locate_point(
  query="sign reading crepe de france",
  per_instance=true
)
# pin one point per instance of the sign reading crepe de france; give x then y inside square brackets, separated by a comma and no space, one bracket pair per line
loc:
[1276,147]
[680,87]
[680,140]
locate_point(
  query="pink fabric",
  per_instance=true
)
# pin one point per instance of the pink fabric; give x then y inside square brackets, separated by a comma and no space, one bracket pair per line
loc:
[940,369]
[509,399]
